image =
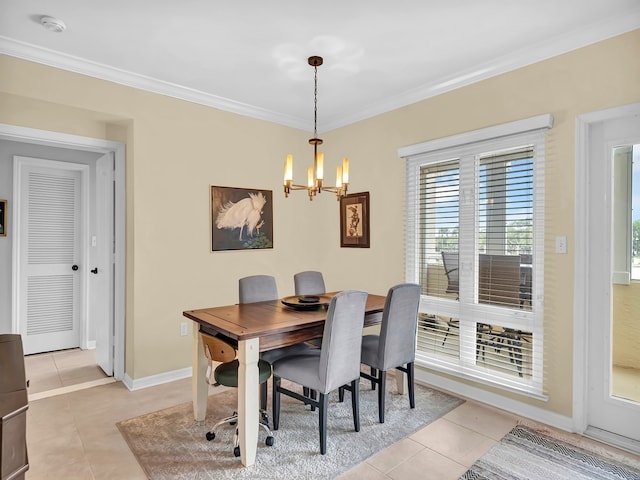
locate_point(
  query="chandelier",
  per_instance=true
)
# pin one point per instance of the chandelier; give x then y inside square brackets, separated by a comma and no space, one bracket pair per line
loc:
[315,174]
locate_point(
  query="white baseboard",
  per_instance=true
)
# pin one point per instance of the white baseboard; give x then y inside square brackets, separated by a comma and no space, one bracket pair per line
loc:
[153,380]
[508,404]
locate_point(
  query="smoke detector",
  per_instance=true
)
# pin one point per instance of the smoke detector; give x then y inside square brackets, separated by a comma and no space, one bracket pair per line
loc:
[53,24]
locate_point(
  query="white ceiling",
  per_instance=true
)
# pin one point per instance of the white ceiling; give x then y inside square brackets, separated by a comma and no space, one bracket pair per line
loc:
[250,56]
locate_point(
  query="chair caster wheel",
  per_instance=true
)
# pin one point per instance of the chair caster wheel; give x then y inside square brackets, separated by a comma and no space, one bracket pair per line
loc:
[210,435]
[270,441]
[236,451]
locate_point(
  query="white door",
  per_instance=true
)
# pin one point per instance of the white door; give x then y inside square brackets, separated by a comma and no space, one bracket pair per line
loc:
[50,251]
[101,286]
[610,413]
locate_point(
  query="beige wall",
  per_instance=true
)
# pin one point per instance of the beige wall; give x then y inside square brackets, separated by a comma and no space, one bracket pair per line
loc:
[600,76]
[176,149]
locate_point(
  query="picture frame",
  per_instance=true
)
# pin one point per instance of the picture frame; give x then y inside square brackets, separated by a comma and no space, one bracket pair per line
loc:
[241,218]
[354,220]
[3,218]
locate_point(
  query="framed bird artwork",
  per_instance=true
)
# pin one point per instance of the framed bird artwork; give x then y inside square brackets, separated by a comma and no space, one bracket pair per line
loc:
[241,218]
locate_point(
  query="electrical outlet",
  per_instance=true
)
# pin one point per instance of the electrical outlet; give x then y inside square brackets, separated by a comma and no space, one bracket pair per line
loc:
[183,329]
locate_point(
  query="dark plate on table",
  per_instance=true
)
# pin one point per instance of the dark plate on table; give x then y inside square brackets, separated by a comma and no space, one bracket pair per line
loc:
[307,302]
[308,299]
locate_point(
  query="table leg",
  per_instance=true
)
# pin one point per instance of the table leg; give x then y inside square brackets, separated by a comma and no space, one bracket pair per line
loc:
[401,382]
[248,399]
[199,385]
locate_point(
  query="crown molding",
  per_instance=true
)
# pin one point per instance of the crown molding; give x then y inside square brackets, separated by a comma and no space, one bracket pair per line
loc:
[44,56]
[518,59]
[551,47]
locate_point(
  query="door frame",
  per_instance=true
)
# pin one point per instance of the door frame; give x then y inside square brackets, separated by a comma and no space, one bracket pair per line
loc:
[76,142]
[581,280]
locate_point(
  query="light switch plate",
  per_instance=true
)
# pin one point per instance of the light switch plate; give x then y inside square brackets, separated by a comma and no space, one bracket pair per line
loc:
[561,244]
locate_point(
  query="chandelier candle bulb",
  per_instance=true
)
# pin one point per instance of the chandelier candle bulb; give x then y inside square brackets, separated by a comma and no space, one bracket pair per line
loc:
[310,181]
[339,177]
[288,175]
[345,170]
[288,168]
[320,168]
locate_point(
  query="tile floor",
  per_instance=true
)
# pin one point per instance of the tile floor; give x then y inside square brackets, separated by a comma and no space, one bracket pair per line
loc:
[63,371]
[74,436]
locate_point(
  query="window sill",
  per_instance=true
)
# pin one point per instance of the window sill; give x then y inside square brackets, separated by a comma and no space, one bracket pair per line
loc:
[438,366]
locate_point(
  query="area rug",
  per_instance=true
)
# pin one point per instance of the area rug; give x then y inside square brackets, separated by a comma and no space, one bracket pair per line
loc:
[529,454]
[169,444]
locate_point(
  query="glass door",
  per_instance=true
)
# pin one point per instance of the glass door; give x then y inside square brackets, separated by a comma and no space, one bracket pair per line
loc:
[613,301]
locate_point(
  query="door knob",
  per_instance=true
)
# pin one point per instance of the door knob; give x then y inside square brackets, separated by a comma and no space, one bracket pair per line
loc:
[95,270]
[74,268]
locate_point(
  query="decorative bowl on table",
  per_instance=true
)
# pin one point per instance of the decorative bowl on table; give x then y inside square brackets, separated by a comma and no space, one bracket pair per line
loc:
[308,299]
[307,302]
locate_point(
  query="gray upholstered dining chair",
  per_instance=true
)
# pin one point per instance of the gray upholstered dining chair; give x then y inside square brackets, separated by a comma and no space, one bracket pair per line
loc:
[309,283]
[396,344]
[261,288]
[336,365]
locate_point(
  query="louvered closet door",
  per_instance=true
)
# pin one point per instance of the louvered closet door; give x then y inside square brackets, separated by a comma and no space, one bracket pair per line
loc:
[49,300]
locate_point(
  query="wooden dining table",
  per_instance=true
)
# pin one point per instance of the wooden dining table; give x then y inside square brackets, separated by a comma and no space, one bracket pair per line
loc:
[258,327]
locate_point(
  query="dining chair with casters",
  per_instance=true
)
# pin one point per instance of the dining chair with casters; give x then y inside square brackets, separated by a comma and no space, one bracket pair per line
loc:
[262,288]
[451,270]
[395,346]
[218,349]
[336,365]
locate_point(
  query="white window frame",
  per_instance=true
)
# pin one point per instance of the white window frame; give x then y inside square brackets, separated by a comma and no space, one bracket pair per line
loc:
[467,147]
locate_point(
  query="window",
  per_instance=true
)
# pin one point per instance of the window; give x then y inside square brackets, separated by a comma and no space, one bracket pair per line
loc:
[475,218]
[626,213]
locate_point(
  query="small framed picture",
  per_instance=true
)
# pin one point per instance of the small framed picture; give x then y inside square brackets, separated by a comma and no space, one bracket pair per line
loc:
[241,218]
[3,218]
[354,220]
